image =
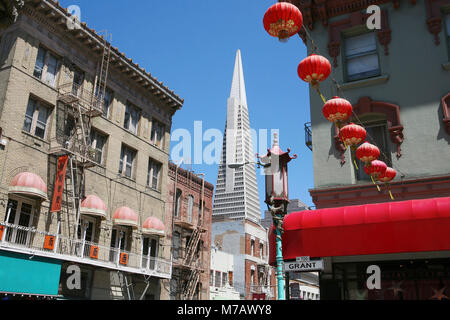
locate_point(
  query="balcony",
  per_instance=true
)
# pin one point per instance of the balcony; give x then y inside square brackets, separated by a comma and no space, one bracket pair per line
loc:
[308,135]
[31,241]
[75,94]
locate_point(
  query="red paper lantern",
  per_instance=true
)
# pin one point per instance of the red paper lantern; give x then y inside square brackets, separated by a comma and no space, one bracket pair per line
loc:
[283,20]
[367,152]
[375,169]
[337,109]
[314,69]
[388,175]
[353,134]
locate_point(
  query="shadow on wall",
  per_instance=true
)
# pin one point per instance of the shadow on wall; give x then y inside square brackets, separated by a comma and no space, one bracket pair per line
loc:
[338,155]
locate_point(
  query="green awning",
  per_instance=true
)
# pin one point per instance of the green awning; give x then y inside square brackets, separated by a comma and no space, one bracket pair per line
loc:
[27,274]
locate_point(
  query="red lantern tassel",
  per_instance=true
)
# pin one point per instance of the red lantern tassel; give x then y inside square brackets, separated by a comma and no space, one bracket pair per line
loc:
[389,189]
[378,187]
[320,94]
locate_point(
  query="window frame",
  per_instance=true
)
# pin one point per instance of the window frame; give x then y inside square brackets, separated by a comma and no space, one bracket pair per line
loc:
[45,64]
[124,161]
[446,23]
[158,129]
[34,119]
[152,164]
[375,122]
[131,109]
[95,134]
[345,64]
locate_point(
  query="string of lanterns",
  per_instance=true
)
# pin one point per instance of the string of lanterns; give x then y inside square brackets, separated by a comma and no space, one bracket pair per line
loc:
[283,20]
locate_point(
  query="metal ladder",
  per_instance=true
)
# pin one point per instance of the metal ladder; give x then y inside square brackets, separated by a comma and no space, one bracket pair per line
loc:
[104,68]
[191,284]
[192,246]
[126,286]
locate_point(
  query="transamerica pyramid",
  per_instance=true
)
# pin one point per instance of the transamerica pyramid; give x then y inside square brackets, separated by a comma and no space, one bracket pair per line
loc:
[236,194]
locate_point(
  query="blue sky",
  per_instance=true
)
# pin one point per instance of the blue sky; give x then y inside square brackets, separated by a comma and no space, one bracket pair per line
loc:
[190,46]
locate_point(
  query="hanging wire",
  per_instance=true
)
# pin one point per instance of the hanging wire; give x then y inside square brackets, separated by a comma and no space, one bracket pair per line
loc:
[339,89]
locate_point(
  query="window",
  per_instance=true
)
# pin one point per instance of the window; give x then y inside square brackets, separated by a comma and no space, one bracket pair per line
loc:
[230,278]
[46,67]
[252,247]
[36,118]
[361,57]
[224,279]
[19,213]
[190,208]
[149,252]
[176,245]
[127,157]
[211,277]
[98,141]
[178,203]
[447,26]
[377,135]
[154,168]
[217,279]
[131,118]
[107,100]
[78,78]
[157,135]
[261,251]
[118,243]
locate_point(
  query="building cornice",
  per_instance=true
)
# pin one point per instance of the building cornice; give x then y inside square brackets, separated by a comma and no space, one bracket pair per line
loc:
[322,10]
[59,16]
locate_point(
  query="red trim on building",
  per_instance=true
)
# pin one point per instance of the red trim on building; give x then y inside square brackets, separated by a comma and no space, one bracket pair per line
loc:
[392,227]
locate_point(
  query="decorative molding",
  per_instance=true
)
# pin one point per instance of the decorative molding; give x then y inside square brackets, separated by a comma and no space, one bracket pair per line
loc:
[366,193]
[364,82]
[446,111]
[356,19]
[434,17]
[366,105]
[321,10]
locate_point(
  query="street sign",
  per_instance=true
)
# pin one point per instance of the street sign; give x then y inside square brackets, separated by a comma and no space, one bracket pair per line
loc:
[304,266]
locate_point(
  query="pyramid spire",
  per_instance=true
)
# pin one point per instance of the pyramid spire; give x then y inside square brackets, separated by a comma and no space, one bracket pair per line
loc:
[238,84]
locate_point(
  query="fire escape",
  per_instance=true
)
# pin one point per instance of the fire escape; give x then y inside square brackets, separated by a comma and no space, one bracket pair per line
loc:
[192,264]
[76,109]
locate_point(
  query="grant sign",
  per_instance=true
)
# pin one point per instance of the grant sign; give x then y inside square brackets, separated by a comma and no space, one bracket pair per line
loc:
[303,264]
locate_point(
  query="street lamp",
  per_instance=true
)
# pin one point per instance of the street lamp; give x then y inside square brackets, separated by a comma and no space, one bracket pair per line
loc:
[277,196]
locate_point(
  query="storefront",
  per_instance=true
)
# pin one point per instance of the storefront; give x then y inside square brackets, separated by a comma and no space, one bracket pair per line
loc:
[25,276]
[408,241]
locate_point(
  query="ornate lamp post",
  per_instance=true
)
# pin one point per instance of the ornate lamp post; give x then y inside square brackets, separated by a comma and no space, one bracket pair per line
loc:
[277,198]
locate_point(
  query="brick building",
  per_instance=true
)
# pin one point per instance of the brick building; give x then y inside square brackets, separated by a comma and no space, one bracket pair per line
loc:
[247,242]
[188,217]
[65,91]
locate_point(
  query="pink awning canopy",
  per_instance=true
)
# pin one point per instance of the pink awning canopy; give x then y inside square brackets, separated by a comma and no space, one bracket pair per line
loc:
[153,226]
[94,206]
[125,216]
[30,184]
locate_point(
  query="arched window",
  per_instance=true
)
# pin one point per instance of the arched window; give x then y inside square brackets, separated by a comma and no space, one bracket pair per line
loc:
[178,203]
[190,207]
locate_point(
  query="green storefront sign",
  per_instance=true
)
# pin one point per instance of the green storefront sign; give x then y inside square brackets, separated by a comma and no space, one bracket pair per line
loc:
[21,273]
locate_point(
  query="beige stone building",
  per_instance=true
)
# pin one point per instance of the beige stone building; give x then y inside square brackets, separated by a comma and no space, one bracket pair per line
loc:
[65,91]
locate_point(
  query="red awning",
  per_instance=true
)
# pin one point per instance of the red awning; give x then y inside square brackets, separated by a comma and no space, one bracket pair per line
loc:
[392,227]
